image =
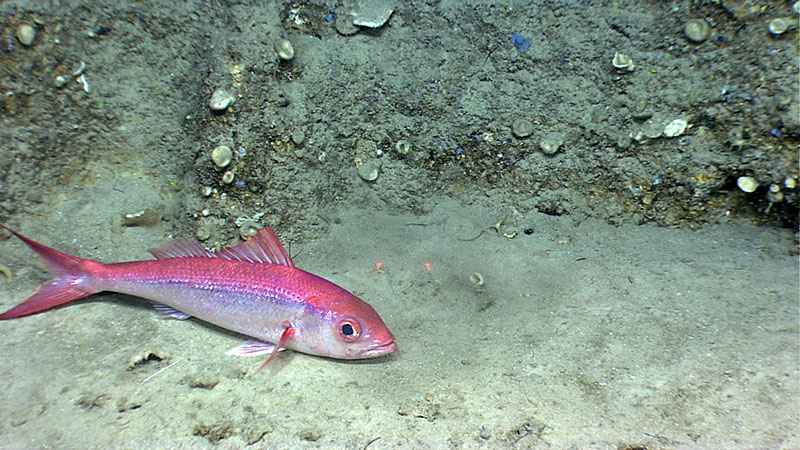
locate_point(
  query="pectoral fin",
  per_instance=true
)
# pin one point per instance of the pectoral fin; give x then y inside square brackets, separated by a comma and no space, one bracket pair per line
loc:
[287,334]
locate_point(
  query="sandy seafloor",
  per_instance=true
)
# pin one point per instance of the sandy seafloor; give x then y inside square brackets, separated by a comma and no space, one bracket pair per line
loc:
[582,336]
[646,310]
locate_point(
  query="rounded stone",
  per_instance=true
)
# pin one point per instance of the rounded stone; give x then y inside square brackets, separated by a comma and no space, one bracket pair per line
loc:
[522,128]
[298,136]
[344,25]
[227,177]
[369,170]
[653,129]
[697,30]
[747,184]
[220,99]
[551,143]
[779,25]
[248,228]
[222,156]
[284,49]
[26,34]
[203,234]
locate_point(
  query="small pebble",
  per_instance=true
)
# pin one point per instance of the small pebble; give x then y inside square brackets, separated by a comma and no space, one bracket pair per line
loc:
[222,156]
[344,25]
[369,170]
[298,135]
[220,99]
[551,143]
[522,128]
[776,26]
[747,184]
[203,234]
[697,30]
[284,49]
[227,177]
[26,34]
[653,129]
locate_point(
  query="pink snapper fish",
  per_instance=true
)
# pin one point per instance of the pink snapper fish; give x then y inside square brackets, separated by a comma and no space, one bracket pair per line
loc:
[252,288]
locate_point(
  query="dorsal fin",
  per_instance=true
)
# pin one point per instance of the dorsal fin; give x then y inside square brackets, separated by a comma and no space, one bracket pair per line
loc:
[262,247]
[181,248]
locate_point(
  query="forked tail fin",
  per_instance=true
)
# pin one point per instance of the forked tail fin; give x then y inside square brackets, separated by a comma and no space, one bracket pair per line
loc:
[70,282]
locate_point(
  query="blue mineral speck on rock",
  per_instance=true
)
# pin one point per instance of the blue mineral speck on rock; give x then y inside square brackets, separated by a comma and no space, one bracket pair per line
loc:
[522,43]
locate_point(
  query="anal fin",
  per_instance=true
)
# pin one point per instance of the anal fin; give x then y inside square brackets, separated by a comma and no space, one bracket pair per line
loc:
[168,312]
[252,348]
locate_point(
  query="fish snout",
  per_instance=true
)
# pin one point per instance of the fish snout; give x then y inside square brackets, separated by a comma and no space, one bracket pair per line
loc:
[380,348]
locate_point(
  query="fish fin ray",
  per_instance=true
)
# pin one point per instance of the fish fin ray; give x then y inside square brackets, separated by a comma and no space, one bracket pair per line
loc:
[50,294]
[181,248]
[253,348]
[287,334]
[263,247]
[71,283]
[168,312]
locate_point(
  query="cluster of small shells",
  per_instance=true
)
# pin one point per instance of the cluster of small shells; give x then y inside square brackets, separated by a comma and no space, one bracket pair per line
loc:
[774,193]
[222,155]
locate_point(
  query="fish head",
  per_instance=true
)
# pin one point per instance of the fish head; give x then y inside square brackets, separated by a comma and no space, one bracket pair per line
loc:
[349,328]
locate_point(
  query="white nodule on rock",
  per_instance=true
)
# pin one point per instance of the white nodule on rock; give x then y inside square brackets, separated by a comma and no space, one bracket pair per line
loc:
[220,99]
[675,128]
[372,13]
[747,184]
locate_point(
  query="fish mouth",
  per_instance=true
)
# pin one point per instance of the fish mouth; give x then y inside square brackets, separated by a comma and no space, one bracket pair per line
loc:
[380,349]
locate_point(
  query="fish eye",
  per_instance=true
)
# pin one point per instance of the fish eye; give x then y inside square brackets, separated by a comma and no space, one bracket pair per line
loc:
[349,330]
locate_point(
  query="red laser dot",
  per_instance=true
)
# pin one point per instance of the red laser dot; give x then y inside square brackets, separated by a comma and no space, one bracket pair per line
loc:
[427,266]
[378,265]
